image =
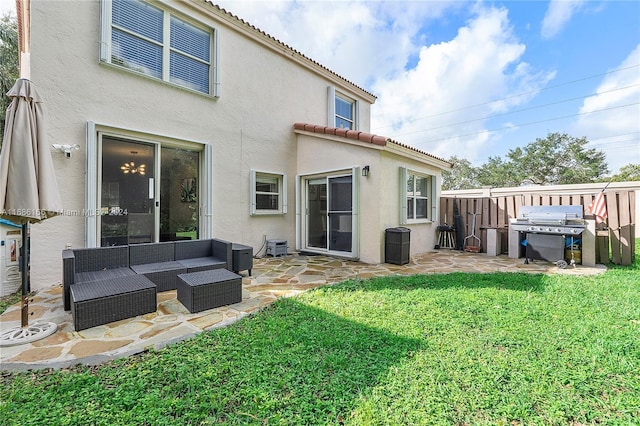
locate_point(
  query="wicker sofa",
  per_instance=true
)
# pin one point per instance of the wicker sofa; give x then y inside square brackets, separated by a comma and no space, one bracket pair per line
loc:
[161,263]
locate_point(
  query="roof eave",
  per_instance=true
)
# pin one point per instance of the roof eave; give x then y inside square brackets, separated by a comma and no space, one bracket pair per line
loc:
[370,140]
[407,151]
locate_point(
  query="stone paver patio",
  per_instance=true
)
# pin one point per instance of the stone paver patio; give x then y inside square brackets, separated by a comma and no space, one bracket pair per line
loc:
[272,278]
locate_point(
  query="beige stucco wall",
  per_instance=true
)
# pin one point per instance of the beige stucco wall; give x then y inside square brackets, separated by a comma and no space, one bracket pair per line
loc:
[379,203]
[423,235]
[263,92]
[324,155]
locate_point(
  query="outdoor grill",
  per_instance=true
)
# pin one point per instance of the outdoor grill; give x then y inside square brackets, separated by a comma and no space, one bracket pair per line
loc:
[546,229]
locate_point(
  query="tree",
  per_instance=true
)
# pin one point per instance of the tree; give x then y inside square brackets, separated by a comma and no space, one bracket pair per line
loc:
[557,159]
[9,70]
[462,176]
[497,173]
[628,173]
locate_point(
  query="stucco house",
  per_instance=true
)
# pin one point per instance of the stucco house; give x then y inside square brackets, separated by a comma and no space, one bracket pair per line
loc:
[182,120]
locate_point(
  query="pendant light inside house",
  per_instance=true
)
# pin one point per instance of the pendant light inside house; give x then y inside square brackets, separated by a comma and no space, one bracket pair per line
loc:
[131,168]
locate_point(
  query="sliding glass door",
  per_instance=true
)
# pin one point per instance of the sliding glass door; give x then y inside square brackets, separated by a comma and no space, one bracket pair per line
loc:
[340,213]
[148,192]
[329,225]
[317,214]
[179,194]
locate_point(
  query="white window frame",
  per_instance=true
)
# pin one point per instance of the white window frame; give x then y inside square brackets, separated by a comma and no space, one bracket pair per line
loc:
[332,94]
[282,192]
[351,120]
[404,196]
[301,209]
[106,45]
[95,132]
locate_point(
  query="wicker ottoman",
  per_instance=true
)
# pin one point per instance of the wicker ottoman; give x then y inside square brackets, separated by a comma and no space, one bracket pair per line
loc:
[101,302]
[199,291]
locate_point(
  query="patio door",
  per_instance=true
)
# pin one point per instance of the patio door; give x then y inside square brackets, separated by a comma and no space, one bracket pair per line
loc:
[329,222]
[148,192]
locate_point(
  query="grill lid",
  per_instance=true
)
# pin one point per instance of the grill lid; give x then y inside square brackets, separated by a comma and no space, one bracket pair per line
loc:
[550,215]
[550,220]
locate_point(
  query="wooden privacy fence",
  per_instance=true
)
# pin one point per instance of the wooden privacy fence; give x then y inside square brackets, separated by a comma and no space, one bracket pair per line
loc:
[615,239]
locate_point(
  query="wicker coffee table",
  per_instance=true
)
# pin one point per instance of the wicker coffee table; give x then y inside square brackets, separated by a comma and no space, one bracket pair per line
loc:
[199,291]
[101,302]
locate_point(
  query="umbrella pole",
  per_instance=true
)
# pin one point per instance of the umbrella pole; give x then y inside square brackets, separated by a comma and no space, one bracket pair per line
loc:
[25,275]
[26,333]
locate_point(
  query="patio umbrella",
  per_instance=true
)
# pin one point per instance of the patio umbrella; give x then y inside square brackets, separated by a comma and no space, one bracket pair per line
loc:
[28,188]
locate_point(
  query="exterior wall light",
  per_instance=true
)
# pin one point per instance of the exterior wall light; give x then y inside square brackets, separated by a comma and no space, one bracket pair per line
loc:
[67,149]
[365,171]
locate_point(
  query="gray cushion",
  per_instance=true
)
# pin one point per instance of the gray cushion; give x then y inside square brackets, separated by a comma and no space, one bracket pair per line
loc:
[148,268]
[83,277]
[203,261]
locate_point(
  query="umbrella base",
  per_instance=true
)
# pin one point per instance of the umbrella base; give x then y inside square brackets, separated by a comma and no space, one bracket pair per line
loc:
[22,335]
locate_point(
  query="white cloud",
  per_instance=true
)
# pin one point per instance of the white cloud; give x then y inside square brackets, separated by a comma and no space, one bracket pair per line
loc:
[616,128]
[372,43]
[558,15]
[360,41]
[482,63]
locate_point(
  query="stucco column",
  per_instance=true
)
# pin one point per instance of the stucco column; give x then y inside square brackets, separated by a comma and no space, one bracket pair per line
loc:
[493,242]
[589,244]
[514,241]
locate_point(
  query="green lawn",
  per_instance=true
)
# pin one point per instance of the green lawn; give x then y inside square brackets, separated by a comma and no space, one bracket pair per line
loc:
[455,349]
[9,300]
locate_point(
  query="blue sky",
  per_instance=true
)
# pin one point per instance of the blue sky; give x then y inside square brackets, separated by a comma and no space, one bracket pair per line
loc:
[476,79]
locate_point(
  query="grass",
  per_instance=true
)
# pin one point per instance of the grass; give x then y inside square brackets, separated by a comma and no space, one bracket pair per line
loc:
[190,234]
[9,300]
[454,349]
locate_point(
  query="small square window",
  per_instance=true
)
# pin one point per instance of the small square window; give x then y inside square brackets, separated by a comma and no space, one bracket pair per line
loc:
[268,193]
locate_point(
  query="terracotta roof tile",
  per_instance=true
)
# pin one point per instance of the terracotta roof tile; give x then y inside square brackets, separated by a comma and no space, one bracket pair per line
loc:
[418,150]
[358,136]
[343,133]
[379,140]
[365,137]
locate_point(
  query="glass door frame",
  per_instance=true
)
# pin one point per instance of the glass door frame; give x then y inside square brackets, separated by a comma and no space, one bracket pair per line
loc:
[94,134]
[302,222]
[156,181]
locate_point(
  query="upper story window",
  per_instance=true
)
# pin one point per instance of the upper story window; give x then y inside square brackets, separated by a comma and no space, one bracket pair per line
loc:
[343,111]
[417,196]
[154,42]
[268,193]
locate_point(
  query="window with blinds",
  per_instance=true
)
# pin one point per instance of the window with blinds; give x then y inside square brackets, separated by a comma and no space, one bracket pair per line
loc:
[156,43]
